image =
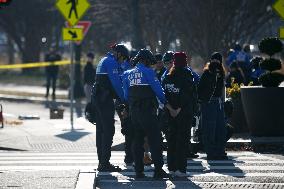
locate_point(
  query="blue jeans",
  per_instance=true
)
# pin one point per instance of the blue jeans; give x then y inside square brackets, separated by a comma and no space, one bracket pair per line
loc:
[213,129]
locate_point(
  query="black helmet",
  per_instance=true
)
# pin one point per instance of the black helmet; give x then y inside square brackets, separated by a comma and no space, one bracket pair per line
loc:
[145,54]
[237,47]
[120,48]
[158,57]
[168,56]
[133,53]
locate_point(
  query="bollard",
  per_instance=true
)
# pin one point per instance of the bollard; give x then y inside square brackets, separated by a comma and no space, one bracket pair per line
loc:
[1,116]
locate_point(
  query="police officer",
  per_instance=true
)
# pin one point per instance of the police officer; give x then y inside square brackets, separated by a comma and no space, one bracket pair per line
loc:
[168,62]
[179,88]
[126,124]
[108,86]
[159,66]
[141,87]
[162,114]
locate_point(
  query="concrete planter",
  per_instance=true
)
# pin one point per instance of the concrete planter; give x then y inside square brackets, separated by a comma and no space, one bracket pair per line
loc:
[238,119]
[264,110]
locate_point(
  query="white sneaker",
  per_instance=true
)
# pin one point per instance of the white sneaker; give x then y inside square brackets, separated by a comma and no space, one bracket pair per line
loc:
[180,174]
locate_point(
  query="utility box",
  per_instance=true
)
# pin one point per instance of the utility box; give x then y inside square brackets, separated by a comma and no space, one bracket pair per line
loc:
[56,113]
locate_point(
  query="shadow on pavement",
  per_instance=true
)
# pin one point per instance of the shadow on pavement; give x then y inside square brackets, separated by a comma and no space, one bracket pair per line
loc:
[73,135]
[118,147]
[216,167]
[11,149]
[183,180]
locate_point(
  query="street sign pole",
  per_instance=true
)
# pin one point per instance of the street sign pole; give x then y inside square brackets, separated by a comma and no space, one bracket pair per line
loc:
[73,12]
[278,6]
[72,85]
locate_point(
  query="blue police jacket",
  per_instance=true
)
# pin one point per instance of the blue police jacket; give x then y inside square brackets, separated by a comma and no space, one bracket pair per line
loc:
[164,75]
[196,76]
[141,83]
[125,66]
[108,77]
[257,73]
[239,56]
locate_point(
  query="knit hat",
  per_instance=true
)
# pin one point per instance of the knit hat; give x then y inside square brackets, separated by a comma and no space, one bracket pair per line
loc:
[91,55]
[180,59]
[216,56]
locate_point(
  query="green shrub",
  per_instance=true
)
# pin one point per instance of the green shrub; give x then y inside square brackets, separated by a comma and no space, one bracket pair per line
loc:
[271,46]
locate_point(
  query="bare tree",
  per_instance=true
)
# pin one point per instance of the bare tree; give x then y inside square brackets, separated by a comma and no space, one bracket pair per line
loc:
[26,22]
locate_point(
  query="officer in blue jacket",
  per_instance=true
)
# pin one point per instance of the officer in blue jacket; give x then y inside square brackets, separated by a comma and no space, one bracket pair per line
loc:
[108,87]
[141,87]
[126,124]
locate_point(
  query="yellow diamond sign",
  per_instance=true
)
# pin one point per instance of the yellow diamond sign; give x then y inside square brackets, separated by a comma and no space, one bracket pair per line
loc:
[72,10]
[279,8]
[72,34]
[282,33]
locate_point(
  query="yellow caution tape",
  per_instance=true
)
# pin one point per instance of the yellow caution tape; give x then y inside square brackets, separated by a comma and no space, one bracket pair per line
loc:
[34,65]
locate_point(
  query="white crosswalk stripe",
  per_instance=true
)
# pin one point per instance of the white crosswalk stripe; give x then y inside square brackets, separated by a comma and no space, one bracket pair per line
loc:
[242,167]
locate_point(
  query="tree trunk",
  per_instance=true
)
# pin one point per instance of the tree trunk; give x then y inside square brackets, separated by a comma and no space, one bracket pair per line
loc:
[11,51]
[136,25]
[31,49]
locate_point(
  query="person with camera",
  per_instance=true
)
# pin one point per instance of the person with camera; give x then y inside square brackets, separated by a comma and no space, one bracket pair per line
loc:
[210,94]
[89,80]
[108,86]
[141,89]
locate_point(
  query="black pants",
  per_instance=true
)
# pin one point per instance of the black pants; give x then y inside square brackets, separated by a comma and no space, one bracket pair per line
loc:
[104,108]
[129,137]
[178,141]
[145,123]
[51,79]
[163,117]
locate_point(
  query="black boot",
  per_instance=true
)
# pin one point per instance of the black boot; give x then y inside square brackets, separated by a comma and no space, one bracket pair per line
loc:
[109,168]
[160,174]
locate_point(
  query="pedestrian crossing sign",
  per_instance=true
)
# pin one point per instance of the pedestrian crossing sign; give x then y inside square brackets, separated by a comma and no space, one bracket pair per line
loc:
[282,33]
[279,7]
[72,10]
[72,34]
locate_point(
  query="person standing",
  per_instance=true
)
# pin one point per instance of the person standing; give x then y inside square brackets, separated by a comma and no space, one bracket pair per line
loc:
[141,89]
[51,71]
[179,88]
[89,76]
[89,80]
[159,66]
[243,60]
[163,115]
[210,94]
[125,119]
[108,87]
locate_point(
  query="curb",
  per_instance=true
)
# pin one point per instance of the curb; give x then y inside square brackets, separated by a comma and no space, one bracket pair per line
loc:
[38,100]
[86,179]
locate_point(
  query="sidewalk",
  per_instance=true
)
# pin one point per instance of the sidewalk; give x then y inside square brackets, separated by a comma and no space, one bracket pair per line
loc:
[33,94]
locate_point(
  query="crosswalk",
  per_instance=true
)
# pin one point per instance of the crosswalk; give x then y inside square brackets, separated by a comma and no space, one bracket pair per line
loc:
[242,170]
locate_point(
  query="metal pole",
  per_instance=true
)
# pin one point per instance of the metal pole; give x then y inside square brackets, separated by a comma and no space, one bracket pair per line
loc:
[72,86]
